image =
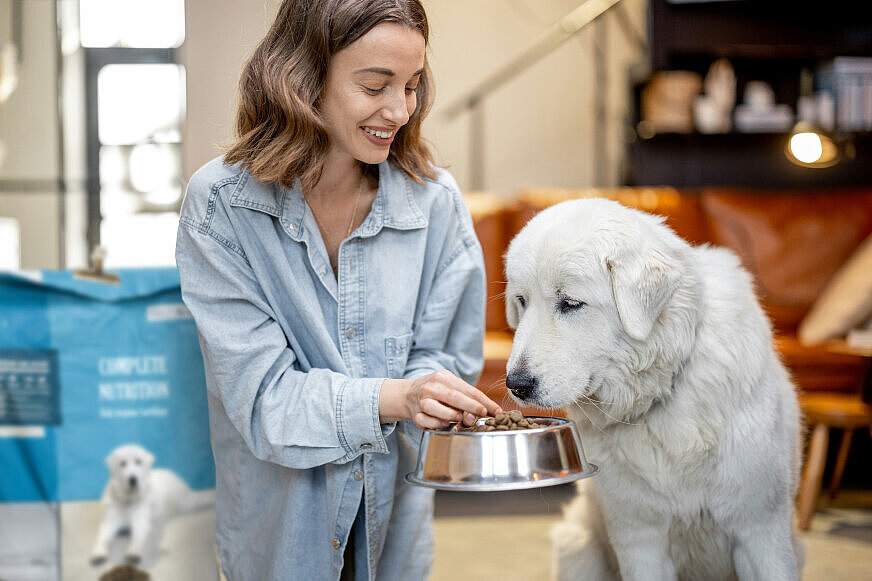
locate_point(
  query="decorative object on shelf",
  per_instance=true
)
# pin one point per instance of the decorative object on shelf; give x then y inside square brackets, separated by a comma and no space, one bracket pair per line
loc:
[711,111]
[845,303]
[667,101]
[759,112]
[815,108]
[849,82]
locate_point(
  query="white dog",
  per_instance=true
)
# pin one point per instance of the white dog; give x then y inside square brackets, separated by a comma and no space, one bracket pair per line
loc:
[139,500]
[662,355]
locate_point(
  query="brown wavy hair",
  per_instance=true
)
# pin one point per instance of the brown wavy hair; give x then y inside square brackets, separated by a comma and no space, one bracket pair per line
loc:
[280,133]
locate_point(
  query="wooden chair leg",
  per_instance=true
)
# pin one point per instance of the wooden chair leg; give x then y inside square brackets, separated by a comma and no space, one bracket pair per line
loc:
[814,471]
[841,460]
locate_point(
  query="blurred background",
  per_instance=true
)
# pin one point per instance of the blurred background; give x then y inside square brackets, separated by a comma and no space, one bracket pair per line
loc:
[108,106]
[746,123]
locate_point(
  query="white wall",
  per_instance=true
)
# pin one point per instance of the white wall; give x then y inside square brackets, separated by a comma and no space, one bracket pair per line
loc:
[539,127]
[219,36]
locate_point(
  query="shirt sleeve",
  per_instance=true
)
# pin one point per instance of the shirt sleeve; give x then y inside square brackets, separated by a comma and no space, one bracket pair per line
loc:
[450,332]
[286,416]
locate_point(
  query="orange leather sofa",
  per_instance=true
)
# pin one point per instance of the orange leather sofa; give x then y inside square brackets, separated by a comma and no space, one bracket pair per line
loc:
[792,242]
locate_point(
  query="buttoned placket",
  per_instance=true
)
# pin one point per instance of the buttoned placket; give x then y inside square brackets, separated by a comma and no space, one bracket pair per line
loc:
[351,304]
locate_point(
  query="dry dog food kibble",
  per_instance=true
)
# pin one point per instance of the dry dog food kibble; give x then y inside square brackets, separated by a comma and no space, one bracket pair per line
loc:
[512,420]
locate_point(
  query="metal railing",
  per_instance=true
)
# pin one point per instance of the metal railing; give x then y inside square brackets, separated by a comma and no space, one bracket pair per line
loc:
[472,100]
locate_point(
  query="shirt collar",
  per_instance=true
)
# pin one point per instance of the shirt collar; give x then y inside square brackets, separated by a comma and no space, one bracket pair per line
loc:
[394,205]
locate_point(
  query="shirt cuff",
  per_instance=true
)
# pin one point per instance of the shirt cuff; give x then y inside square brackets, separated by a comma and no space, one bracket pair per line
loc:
[357,418]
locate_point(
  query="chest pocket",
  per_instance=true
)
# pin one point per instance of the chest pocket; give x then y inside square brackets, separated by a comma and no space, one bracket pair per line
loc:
[397,353]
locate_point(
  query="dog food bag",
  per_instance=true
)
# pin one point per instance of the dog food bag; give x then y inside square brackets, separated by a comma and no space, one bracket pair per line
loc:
[102,413]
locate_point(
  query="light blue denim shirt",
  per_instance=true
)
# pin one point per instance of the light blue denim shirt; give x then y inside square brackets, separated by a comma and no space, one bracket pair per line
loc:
[295,360]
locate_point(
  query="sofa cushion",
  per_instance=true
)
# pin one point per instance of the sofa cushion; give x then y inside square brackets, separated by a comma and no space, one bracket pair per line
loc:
[489,217]
[680,209]
[792,242]
[845,303]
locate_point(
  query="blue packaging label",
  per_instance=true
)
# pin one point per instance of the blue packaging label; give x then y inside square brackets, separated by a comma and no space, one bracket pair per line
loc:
[29,387]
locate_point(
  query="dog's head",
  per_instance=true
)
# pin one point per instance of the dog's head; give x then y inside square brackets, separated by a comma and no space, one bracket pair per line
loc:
[129,469]
[591,295]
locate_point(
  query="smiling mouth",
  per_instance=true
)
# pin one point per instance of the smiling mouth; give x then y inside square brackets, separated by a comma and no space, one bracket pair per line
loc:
[379,134]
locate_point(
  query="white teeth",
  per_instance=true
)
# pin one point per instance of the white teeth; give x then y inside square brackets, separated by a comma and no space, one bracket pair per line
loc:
[382,134]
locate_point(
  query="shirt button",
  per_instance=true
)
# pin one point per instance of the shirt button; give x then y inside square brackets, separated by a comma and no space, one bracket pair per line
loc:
[323,270]
[365,446]
[337,543]
[358,475]
[349,332]
[293,226]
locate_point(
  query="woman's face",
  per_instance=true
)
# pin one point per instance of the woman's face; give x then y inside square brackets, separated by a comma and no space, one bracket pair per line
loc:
[370,91]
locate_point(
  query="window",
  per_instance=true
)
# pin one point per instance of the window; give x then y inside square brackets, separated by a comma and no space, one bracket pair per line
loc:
[136,108]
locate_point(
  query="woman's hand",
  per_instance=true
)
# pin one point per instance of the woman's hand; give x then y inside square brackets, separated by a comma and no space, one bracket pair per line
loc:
[433,401]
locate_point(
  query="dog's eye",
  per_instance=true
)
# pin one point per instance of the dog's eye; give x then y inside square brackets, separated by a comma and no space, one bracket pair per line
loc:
[123,463]
[138,461]
[569,305]
[521,301]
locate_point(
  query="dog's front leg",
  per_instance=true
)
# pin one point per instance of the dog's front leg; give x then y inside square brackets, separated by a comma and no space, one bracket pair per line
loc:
[766,550]
[108,529]
[140,525]
[642,550]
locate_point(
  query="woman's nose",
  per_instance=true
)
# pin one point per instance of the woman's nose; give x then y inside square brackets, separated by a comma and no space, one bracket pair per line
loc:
[396,109]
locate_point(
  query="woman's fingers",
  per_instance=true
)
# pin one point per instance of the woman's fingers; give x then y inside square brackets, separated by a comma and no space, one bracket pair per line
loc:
[490,405]
[422,420]
[440,411]
[463,396]
[444,397]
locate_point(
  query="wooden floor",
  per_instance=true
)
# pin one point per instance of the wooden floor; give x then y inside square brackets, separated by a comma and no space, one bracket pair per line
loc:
[505,536]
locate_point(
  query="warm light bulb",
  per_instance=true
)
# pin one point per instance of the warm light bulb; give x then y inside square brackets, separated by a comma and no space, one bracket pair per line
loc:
[806,147]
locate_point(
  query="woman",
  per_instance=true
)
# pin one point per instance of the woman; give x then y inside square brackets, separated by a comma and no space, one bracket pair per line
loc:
[338,289]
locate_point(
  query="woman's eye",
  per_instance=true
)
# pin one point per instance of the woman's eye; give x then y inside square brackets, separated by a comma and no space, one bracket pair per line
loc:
[373,91]
[522,301]
[569,305]
[411,89]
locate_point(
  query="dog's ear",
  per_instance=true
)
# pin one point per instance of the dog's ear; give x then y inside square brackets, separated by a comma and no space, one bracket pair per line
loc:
[643,280]
[110,460]
[146,457]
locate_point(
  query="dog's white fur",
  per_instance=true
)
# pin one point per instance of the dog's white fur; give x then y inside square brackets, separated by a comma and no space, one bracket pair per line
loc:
[139,500]
[668,369]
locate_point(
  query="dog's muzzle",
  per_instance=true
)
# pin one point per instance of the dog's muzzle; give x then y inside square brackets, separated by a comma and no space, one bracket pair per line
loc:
[132,482]
[521,383]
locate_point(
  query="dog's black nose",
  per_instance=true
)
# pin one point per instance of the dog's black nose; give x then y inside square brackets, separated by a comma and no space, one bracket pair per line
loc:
[521,383]
[133,482]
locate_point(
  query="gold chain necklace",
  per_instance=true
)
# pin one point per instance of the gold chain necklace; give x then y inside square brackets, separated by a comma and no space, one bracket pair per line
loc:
[353,211]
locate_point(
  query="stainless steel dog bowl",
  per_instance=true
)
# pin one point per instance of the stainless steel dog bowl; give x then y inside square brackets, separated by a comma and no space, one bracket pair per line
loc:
[455,459]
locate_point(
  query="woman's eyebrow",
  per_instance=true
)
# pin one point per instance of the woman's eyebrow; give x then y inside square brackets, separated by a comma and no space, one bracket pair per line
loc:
[385,72]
